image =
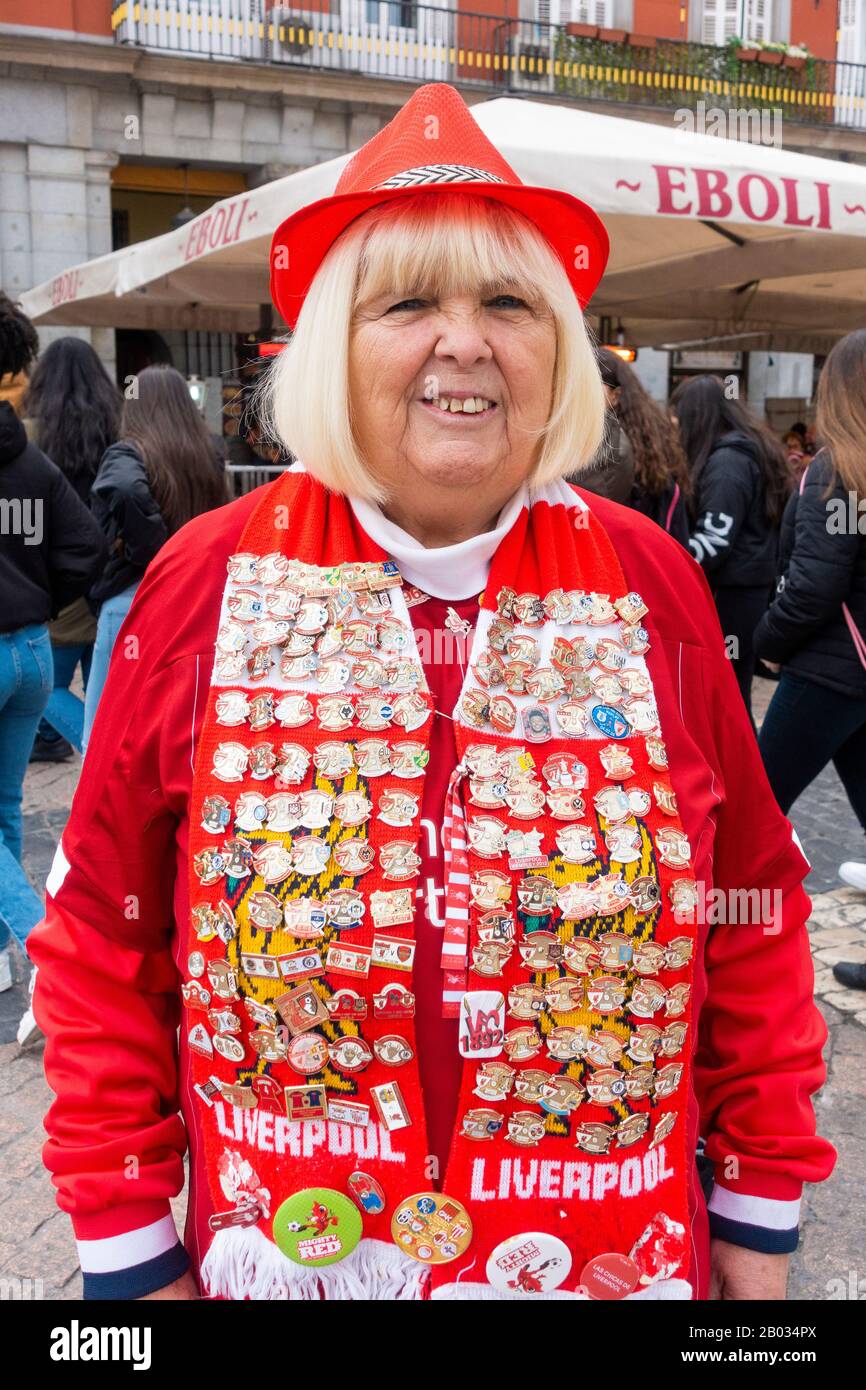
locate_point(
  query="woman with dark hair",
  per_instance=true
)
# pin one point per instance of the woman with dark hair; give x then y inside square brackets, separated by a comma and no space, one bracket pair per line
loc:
[661,485]
[73,408]
[50,551]
[741,483]
[815,629]
[160,474]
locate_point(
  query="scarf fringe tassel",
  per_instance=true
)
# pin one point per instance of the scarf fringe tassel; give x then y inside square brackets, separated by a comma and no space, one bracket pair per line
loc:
[242,1263]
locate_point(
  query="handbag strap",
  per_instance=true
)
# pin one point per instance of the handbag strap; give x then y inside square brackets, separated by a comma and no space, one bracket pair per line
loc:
[672,508]
[856,635]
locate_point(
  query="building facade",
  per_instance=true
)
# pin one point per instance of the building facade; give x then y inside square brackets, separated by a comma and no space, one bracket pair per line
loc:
[121,118]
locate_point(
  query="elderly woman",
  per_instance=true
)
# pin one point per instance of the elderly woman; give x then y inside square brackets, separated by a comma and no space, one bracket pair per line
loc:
[422,799]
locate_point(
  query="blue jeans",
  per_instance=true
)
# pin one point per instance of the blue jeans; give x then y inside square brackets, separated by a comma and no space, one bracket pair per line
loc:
[26,678]
[108,625]
[64,713]
[807,726]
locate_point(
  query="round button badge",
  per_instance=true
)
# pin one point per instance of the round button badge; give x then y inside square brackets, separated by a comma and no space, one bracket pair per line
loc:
[317,1226]
[532,1262]
[431,1227]
[610,1276]
[307,1053]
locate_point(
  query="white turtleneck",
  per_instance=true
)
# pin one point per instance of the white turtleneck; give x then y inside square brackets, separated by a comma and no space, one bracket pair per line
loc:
[446,571]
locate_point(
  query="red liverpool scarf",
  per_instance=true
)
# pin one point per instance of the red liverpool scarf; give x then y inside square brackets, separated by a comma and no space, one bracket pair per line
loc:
[567,951]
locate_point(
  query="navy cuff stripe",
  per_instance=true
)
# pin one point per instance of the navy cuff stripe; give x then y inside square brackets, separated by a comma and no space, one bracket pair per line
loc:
[138,1280]
[754,1237]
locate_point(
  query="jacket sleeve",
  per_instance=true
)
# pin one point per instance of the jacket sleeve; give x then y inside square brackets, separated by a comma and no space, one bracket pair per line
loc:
[107,990]
[819,573]
[725,491]
[126,507]
[759,1054]
[77,548]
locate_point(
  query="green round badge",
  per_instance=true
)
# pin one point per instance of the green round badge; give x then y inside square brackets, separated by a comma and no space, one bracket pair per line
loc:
[318,1226]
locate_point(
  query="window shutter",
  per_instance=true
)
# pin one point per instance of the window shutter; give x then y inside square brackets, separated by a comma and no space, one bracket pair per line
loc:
[720,19]
[758,20]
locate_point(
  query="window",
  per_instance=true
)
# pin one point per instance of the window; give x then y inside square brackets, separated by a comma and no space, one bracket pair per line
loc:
[720,20]
[598,12]
[852,32]
[396,14]
[758,20]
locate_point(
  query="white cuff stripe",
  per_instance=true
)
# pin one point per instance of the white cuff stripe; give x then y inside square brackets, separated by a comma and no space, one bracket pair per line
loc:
[767,1212]
[798,842]
[57,873]
[132,1248]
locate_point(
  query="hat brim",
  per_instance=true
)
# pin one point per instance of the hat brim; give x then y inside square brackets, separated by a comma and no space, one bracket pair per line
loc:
[575,232]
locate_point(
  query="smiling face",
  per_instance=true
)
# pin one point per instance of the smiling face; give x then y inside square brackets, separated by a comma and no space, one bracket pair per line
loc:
[452,391]
[422,303]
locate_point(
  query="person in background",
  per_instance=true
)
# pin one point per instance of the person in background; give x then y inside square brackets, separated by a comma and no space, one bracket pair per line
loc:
[741,484]
[72,410]
[815,628]
[611,473]
[51,549]
[159,475]
[660,487]
[794,442]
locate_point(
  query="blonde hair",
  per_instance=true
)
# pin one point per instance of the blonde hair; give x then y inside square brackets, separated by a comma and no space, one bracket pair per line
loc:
[435,245]
[841,412]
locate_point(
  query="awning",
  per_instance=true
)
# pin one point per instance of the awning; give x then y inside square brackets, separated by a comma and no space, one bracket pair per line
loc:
[712,239]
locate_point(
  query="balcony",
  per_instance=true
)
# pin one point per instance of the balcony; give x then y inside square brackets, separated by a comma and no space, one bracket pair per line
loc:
[434,43]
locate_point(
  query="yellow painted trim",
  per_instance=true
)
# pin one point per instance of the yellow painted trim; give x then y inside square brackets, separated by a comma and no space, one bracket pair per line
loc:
[201,183]
[478,60]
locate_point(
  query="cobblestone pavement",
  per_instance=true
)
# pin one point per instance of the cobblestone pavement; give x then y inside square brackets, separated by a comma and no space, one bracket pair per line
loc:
[36,1240]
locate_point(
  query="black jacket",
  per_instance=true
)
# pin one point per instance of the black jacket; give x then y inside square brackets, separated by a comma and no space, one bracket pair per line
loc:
[666,508]
[823,565]
[51,549]
[123,504]
[732,540]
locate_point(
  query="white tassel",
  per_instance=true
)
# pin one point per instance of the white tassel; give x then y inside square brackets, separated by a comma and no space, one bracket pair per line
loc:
[242,1263]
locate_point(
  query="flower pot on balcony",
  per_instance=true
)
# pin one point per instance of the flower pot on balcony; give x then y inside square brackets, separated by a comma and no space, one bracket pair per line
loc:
[582,31]
[613,35]
[792,60]
[642,40]
[747,55]
[768,56]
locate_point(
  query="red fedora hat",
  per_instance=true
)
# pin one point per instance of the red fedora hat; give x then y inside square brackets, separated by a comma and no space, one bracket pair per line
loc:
[402,161]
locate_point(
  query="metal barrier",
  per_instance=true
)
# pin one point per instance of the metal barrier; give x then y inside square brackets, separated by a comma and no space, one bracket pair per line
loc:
[242,478]
[428,42]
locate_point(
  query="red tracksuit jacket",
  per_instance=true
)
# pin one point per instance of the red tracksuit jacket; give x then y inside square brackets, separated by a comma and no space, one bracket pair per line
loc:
[108,951]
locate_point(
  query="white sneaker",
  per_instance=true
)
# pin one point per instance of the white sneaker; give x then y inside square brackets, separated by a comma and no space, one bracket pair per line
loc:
[28,1028]
[854,874]
[6,981]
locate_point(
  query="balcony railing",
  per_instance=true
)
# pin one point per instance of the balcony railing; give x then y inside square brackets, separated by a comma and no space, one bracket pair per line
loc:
[425,43]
